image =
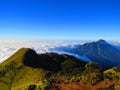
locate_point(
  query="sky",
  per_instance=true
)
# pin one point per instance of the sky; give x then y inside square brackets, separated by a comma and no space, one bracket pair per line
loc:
[60,19]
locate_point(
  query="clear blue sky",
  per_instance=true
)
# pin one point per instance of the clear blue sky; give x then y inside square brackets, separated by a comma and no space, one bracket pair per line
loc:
[60,19]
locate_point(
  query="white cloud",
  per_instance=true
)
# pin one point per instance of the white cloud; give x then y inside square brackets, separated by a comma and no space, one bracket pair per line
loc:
[116,44]
[8,47]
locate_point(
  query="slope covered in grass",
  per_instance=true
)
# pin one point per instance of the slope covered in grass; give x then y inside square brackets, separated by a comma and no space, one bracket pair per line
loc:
[26,70]
[14,74]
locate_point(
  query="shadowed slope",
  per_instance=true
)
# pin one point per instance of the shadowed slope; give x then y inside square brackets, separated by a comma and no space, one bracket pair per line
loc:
[49,61]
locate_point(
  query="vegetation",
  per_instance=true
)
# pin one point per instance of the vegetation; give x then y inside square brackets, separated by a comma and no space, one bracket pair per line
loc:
[26,70]
[113,74]
[92,74]
[32,87]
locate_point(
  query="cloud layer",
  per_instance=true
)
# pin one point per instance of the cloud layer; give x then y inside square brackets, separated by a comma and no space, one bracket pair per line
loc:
[8,47]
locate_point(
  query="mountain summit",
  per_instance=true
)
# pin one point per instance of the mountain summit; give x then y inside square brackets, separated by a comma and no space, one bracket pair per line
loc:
[102,41]
[100,51]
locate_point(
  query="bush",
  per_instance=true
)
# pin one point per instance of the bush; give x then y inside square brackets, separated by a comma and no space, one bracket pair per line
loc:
[32,87]
[112,74]
[92,74]
[70,67]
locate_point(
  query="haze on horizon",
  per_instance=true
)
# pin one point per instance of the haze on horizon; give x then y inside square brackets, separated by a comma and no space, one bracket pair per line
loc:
[60,19]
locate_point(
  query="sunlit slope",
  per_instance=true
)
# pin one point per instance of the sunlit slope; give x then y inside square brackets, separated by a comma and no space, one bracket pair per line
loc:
[25,68]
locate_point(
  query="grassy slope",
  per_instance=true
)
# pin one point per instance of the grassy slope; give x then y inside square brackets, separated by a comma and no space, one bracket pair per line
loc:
[32,76]
[3,86]
[24,76]
[19,77]
[17,57]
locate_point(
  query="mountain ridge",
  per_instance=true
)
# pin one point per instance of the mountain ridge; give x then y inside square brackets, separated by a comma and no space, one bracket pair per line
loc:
[26,61]
[102,51]
[97,51]
[27,70]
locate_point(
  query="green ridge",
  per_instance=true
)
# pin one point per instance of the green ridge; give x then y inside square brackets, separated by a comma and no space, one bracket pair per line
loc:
[26,70]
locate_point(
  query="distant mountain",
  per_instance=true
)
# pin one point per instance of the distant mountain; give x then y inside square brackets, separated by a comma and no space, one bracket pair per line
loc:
[100,51]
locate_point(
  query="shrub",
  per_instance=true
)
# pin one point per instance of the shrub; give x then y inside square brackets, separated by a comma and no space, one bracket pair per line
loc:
[32,87]
[92,74]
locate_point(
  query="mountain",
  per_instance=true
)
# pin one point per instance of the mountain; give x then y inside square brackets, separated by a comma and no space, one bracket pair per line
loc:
[100,51]
[26,67]
[27,70]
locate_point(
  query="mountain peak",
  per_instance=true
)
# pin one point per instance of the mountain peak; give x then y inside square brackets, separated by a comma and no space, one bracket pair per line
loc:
[101,41]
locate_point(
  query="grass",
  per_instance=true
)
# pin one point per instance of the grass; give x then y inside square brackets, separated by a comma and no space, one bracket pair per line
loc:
[26,77]
[17,57]
[3,86]
[15,75]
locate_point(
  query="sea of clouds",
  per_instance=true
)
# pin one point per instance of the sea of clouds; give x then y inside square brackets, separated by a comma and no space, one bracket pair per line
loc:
[9,47]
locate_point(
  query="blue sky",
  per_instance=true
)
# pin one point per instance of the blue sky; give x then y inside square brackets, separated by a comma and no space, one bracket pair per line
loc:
[60,19]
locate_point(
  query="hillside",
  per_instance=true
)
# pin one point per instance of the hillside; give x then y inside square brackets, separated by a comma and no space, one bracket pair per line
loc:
[26,67]
[26,70]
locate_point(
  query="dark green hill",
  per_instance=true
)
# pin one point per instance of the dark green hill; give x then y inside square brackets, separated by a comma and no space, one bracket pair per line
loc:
[51,61]
[25,67]
[27,70]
